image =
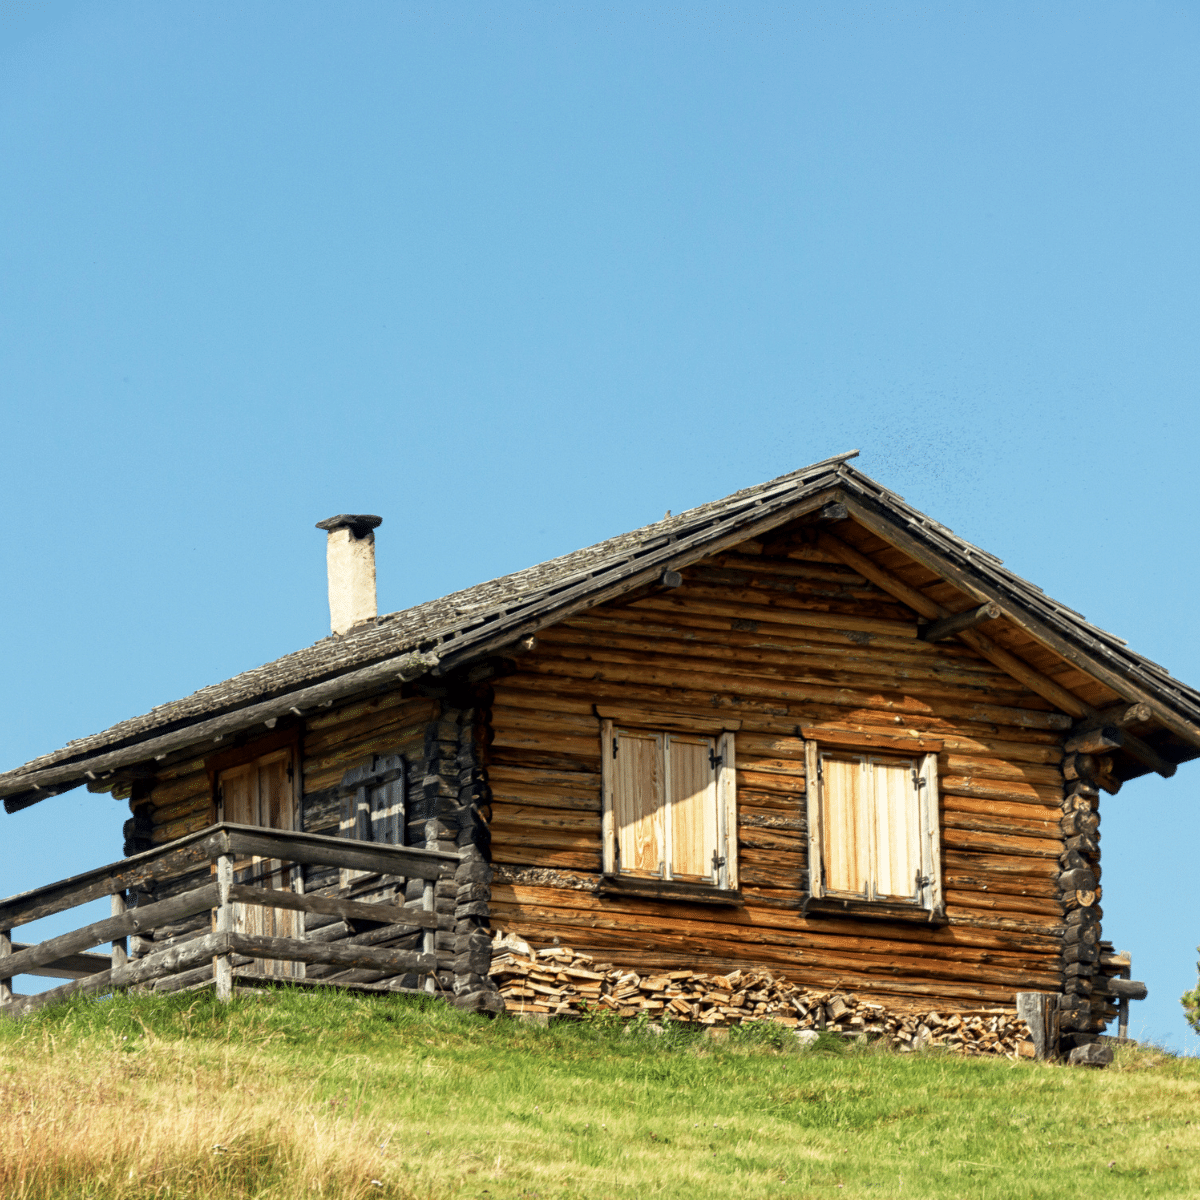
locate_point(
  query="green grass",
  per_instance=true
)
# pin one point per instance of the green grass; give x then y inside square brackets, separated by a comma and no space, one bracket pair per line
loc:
[302,1094]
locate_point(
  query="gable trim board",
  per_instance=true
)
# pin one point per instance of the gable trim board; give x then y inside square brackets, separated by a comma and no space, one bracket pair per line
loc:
[614,569]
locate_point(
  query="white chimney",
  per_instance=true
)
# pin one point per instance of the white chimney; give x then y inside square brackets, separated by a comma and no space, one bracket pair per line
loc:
[350,556]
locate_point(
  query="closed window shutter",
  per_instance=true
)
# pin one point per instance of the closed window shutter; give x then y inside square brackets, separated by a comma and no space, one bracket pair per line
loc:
[373,807]
[873,828]
[638,803]
[727,820]
[896,830]
[692,808]
[845,824]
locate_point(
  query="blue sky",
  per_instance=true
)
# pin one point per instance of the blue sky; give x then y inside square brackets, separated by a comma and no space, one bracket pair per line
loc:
[519,277]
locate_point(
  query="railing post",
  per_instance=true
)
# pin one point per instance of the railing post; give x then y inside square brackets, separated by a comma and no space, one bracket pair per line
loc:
[222,963]
[5,951]
[1123,1007]
[120,946]
[429,941]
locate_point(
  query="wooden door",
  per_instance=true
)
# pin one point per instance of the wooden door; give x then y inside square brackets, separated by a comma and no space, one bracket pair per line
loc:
[261,792]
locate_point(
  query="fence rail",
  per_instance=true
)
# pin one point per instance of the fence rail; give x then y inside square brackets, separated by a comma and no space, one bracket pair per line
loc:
[220,953]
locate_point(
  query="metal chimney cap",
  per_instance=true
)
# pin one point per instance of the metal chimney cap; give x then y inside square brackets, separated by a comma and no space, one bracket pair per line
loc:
[359,524]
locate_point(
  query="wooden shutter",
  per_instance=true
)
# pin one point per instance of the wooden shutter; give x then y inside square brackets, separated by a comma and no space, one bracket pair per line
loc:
[638,803]
[374,805]
[845,825]
[691,778]
[608,816]
[727,821]
[895,830]
[932,895]
[812,796]
[374,801]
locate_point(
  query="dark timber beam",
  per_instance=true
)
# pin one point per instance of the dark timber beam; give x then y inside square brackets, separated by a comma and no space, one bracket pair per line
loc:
[1113,737]
[1121,715]
[949,626]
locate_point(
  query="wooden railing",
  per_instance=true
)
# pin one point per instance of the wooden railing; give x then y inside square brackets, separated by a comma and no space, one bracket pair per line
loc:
[204,863]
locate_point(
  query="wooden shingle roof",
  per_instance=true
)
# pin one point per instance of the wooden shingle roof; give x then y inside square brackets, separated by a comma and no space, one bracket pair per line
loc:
[478,621]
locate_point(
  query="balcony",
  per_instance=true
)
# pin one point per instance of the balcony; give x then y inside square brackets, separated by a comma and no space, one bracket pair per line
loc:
[235,905]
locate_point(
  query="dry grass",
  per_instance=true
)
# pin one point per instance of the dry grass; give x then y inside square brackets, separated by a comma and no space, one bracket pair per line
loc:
[131,1117]
[336,1096]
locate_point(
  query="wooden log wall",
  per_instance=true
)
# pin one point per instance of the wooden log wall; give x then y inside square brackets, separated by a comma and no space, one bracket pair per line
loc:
[788,640]
[439,738]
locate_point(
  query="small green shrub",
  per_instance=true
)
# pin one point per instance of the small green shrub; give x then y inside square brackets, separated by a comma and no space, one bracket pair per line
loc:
[1191,1004]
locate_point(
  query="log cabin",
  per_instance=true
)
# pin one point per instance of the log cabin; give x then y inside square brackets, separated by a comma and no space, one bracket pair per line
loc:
[804,728]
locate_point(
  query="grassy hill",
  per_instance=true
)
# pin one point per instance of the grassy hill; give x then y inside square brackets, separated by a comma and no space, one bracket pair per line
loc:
[326,1095]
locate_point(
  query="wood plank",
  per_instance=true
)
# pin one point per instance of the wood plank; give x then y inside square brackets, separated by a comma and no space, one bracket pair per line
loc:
[129,874]
[337,954]
[318,850]
[141,920]
[348,910]
[187,954]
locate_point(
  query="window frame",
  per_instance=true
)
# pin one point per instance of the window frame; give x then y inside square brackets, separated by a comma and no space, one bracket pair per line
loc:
[930,903]
[662,725]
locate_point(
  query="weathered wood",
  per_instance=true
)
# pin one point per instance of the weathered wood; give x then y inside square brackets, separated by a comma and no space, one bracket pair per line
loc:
[6,992]
[139,920]
[1039,1010]
[956,623]
[1095,741]
[429,943]
[1127,989]
[350,910]
[120,945]
[70,966]
[142,970]
[319,850]
[337,954]
[129,874]
[1120,715]
[1035,680]
[226,919]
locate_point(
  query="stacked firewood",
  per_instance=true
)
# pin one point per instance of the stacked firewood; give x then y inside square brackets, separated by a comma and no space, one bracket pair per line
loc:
[560,982]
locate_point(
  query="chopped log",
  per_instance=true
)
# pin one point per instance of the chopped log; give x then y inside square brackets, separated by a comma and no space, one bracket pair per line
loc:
[947,627]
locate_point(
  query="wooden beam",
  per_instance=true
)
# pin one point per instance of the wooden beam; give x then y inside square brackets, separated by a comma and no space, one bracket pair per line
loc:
[142,919]
[331,906]
[885,527]
[1113,737]
[160,863]
[1033,679]
[319,850]
[1120,715]
[949,626]
[1094,741]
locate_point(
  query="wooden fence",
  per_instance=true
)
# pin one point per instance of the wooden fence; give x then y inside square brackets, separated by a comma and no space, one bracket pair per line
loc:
[204,865]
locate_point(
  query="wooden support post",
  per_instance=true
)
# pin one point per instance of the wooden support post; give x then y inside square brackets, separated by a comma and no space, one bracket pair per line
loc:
[222,963]
[1039,1010]
[120,946]
[5,981]
[429,941]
